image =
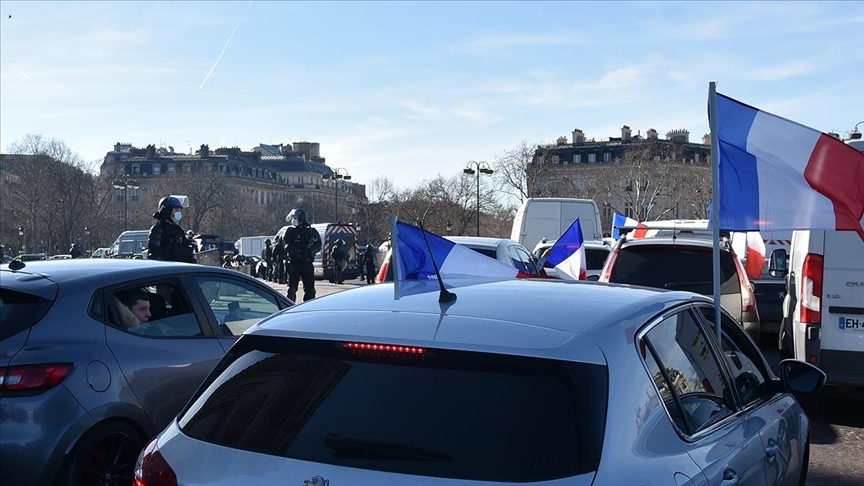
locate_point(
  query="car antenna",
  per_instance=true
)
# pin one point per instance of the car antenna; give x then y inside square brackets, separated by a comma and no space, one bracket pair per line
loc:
[445,295]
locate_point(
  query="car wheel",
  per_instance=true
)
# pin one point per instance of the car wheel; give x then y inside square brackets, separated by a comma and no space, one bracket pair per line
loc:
[104,455]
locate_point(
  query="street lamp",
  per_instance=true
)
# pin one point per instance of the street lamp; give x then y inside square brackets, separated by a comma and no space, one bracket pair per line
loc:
[87,237]
[125,183]
[20,239]
[449,228]
[481,168]
[336,177]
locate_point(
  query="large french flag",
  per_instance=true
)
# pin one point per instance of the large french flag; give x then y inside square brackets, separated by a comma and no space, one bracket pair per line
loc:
[459,266]
[780,175]
[568,254]
[619,221]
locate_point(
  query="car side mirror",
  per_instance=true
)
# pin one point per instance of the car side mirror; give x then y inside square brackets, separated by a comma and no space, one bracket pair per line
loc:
[779,263]
[593,278]
[801,377]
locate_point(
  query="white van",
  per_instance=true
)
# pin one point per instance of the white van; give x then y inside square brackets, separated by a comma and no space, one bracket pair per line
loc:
[824,307]
[550,217]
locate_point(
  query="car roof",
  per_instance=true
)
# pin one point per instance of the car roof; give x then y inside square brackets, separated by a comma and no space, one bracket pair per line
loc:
[481,241]
[663,241]
[87,269]
[479,318]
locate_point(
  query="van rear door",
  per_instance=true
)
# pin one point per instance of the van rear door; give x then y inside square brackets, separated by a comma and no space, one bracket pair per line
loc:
[842,333]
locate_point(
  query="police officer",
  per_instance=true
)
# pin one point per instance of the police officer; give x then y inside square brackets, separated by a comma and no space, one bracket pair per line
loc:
[302,243]
[167,240]
[369,264]
[267,257]
[279,257]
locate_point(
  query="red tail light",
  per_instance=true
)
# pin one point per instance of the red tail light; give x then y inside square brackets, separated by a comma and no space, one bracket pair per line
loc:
[606,274]
[152,469]
[748,299]
[33,377]
[811,290]
[387,348]
[382,273]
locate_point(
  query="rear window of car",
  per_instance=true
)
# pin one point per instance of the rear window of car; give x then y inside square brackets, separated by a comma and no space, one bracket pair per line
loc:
[450,414]
[674,267]
[20,311]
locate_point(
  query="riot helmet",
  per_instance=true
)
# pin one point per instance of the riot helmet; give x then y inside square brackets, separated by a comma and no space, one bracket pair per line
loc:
[227,258]
[296,217]
[166,205]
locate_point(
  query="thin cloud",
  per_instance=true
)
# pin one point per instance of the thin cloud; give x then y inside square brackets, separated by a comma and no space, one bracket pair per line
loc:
[501,41]
[225,47]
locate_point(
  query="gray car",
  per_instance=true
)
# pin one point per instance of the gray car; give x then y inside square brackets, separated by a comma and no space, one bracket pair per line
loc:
[82,388]
[514,382]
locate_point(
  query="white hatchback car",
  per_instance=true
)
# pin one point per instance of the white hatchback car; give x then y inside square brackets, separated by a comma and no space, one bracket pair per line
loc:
[506,385]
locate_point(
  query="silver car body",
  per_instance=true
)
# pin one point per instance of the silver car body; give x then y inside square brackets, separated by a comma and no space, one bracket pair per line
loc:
[762,442]
[116,375]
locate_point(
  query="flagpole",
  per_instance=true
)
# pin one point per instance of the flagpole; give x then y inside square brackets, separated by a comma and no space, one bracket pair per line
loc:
[715,202]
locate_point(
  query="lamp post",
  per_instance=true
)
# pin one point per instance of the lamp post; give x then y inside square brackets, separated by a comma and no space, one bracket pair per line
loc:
[449,228]
[87,237]
[20,239]
[125,183]
[481,168]
[339,173]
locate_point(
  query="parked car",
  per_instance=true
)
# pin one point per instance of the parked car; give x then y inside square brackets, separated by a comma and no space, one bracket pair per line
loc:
[81,387]
[682,260]
[60,257]
[496,387]
[31,257]
[596,253]
[100,253]
[506,251]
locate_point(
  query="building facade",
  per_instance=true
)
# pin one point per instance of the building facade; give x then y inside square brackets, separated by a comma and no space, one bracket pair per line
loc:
[644,177]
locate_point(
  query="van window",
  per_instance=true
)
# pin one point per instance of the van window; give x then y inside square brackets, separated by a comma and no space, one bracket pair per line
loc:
[674,267]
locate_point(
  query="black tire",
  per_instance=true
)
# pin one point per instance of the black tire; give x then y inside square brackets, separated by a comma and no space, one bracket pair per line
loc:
[105,455]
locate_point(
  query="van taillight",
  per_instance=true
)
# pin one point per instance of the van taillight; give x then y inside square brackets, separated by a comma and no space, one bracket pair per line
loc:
[33,377]
[152,469]
[811,289]
[606,274]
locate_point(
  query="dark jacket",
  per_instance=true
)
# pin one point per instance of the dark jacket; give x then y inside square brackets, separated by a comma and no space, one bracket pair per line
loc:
[302,243]
[168,242]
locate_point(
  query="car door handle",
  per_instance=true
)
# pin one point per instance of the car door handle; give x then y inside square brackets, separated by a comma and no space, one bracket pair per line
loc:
[730,478]
[771,450]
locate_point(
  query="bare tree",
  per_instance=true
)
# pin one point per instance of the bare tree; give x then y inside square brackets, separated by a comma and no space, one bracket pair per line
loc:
[518,170]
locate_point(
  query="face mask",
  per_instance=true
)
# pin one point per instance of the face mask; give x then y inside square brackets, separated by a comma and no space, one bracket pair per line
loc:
[177,216]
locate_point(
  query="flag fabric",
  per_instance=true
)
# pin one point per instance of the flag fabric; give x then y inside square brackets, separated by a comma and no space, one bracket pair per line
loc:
[568,254]
[458,265]
[780,175]
[619,220]
[750,248]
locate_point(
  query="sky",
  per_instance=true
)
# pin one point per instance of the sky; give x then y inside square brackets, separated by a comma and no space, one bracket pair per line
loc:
[412,90]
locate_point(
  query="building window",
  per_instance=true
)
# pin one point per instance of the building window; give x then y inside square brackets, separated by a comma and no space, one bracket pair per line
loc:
[607,211]
[592,158]
[628,210]
[134,195]
[171,168]
[136,169]
[119,193]
[577,158]
[607,157]
[157,169]
[556,160]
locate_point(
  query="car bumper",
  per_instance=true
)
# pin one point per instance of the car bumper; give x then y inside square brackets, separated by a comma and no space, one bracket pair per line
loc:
[35,437]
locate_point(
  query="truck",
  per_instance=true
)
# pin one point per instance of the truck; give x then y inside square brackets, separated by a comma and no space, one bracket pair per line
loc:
[252,245]
[549,218]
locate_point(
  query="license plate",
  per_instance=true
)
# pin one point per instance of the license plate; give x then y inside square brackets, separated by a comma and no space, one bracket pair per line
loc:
[852,323]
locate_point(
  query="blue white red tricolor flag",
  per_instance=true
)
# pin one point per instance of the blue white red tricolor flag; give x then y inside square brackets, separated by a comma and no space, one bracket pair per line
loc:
[780,175]
[619,220]
[568,254]
[459,266]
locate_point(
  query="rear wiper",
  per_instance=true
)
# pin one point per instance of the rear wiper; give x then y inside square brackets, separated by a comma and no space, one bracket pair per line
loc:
[347,447]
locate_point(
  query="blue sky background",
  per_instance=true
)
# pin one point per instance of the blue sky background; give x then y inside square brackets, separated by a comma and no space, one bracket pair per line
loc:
[414,89]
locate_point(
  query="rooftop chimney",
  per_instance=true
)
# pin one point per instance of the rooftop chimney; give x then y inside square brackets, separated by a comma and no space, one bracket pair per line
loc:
[562,140]
[625,133]
[651,134]
[578,136]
